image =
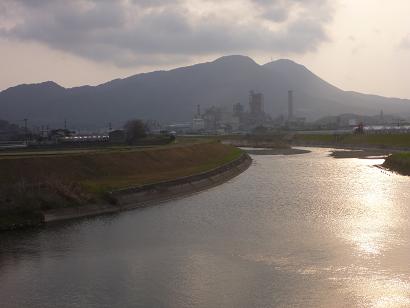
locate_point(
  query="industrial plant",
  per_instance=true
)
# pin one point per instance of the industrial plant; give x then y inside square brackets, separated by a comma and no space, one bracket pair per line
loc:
[240,118]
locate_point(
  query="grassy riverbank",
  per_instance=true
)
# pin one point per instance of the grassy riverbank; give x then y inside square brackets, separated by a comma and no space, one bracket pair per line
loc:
[35,182]
[367,140]
[270,141]
[385,143]
[398,162]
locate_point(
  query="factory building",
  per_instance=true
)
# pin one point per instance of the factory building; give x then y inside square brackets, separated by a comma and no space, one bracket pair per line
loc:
[234,119]
[198,122]
[255,103]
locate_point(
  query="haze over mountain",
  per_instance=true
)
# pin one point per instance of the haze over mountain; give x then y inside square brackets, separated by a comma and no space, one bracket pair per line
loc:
[172,96]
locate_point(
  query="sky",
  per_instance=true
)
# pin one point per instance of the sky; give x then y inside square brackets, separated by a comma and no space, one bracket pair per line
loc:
[358,45]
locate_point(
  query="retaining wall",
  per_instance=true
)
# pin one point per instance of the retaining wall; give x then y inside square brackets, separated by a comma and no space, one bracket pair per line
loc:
[146,195]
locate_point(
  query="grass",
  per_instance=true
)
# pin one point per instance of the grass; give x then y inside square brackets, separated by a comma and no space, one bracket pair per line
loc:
[107,148]
[118,167]
[34,182]
[379,140]
[157,166]
[272,141]
[399,162]
[315,138]
[99,171]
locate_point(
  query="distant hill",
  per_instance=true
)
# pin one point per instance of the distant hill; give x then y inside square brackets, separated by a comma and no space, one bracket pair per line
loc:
[172,95]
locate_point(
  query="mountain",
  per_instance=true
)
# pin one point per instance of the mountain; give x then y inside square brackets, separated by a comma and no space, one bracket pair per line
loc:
[173,95]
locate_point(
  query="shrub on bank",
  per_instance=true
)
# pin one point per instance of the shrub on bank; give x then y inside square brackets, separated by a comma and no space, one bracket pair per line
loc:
[399,162]
[22,204]
[19,217]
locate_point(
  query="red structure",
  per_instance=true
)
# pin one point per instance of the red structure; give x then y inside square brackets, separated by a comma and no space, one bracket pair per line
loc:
[359,129]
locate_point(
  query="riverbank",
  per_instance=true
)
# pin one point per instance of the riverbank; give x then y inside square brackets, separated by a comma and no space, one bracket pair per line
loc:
[292,231]
[355,141]
[34,185]
[395,160]
[284,151]
[147,195]
[394,148]
[276,142]
[361,153]
[398,162]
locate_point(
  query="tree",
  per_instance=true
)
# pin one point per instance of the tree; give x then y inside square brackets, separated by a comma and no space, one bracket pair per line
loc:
[134,131]
[260,130]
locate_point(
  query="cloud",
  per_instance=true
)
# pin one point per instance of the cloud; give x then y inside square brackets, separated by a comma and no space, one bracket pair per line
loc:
[140,32]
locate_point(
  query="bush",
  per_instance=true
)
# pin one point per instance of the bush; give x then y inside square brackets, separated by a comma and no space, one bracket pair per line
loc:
[135,131]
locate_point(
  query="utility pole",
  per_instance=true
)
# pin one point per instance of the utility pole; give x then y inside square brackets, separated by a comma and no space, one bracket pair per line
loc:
[25,129]
[65,124]
[290,105]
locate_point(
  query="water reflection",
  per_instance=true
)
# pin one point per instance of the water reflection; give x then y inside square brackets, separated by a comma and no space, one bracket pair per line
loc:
[370,228]
[303,230]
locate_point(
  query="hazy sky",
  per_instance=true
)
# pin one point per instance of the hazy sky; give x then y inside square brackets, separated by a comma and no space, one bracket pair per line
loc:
[361,45]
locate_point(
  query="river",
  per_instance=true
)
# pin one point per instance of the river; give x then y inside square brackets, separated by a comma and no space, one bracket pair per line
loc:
[300,230]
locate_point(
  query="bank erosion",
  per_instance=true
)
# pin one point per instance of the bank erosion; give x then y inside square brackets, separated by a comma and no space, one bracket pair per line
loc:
[33,185]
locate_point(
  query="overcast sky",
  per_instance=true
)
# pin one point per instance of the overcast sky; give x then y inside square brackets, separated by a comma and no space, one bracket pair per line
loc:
[360,45]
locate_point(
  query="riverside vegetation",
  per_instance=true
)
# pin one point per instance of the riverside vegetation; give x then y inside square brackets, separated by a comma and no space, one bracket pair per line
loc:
[382,140]
[37,180]
[34,182]
[398,162]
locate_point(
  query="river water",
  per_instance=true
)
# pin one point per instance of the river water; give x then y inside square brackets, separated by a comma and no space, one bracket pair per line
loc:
[301,230]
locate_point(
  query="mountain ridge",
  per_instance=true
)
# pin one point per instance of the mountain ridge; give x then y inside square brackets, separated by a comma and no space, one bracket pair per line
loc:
[173,95]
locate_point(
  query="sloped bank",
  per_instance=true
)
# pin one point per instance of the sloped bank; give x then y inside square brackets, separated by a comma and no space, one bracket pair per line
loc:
[398,162]
[270,142]
[37,188]
[147,195]
[380,141]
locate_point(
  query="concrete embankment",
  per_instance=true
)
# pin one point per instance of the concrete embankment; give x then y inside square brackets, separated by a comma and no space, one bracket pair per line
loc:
[36,182]
[146,195]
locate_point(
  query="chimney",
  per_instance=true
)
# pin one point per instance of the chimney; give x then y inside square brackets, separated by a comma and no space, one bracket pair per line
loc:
[290,105]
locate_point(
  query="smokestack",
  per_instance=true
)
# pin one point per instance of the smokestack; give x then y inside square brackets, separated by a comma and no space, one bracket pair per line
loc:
[198,110]
[290,105]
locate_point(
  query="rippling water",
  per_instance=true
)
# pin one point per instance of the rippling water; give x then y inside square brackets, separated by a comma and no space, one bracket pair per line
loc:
[303,230]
